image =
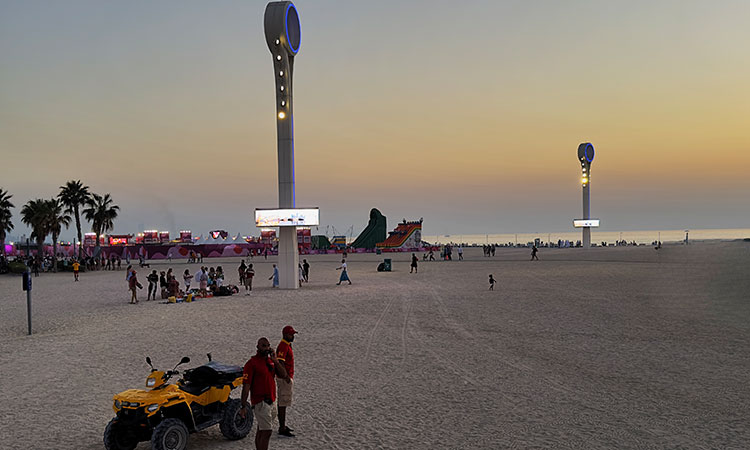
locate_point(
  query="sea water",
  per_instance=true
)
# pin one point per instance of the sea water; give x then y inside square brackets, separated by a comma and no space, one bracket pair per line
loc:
[597,237]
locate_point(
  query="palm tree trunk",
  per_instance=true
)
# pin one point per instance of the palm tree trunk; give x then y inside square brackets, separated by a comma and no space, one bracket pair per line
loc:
[54,252]
[40,250]
[78,228]
[99,255]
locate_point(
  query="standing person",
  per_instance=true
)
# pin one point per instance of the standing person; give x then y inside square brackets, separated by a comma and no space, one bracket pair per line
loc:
[76,268]
[492,283]
[249,274]
[534,250]
[241,272]
[285,355]
[275,276]
[301,274]
[258,381]
[306,268]
[219,277]
[460,253]
[344,276]
[133,284]
[202,281]
[187,278]
[152,279]
[414,261]
[163,284]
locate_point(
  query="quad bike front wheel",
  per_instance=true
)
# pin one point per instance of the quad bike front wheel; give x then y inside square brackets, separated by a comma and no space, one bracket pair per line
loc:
[170,434]
[119,437]
[232,425]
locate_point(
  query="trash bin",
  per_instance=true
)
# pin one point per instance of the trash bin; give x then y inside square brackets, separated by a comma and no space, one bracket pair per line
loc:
[387,264]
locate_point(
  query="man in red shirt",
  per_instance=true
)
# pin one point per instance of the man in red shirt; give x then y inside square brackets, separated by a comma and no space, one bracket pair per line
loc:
[286,384]
[258,382]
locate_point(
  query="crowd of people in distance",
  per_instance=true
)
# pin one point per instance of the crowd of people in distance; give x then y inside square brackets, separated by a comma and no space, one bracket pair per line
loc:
[209,281]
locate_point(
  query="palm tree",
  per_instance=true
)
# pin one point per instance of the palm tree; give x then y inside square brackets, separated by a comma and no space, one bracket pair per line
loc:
[5,215]
[34,214]
[56,218]
[101,213]
[74,195]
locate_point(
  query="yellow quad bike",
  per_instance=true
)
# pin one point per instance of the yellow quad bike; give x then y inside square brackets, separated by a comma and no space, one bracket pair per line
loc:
[167,413]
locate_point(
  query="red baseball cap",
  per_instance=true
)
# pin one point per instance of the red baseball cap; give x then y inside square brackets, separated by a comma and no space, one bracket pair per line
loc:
[288,330]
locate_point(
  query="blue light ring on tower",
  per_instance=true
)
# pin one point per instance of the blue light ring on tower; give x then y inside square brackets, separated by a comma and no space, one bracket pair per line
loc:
[292,39]
[589,153]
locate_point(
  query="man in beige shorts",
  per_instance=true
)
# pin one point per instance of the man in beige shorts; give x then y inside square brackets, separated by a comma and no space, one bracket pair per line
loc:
[258,383]
[285,355]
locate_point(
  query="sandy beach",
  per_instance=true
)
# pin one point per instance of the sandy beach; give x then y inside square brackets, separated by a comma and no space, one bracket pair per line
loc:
[623,347]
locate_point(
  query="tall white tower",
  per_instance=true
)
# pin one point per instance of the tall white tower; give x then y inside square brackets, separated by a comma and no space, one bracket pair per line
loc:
[283,33]
[586,157]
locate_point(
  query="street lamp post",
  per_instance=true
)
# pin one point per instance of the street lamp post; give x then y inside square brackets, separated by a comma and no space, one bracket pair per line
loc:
[282,29]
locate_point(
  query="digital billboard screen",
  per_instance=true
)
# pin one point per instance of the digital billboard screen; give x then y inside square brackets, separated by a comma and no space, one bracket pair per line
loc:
[287,217]
[586,223]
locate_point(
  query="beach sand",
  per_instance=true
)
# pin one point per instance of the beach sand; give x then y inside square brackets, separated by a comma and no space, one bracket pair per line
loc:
[624,347]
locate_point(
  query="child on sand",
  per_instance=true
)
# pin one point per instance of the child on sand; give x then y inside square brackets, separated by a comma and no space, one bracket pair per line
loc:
[76,268]
[492,283]
[187,278]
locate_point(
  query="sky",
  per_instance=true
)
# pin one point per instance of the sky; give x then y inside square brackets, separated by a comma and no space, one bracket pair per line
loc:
[467,114]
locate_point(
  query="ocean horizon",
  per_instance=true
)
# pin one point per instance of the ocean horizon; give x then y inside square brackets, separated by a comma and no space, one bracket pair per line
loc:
[597,237]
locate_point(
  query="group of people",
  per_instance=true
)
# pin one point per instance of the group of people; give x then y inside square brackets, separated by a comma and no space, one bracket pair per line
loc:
[268,382]
[303,274]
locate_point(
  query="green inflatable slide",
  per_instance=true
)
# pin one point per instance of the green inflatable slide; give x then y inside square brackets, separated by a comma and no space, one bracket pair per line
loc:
[373,233]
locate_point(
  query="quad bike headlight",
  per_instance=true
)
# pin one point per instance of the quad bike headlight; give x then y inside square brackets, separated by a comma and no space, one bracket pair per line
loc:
[118,405]
[150,382]
[152,408]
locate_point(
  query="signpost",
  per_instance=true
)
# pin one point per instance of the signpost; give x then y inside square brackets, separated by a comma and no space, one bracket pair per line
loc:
[27,288]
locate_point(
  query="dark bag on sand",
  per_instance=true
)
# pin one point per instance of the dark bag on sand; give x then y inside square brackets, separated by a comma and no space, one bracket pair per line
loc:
[140,286]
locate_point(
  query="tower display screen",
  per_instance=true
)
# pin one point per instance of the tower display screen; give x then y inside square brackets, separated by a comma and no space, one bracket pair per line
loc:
[287,217]
[586,223]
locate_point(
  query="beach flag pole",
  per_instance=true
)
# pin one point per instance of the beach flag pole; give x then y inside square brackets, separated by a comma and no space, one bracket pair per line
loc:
[27,288]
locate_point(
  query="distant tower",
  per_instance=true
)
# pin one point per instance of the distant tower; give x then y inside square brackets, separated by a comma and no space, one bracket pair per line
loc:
[586,157]
[282,28]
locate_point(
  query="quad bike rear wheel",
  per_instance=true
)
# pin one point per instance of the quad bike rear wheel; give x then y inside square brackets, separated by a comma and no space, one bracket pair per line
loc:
[170,434]
[232,425]
[119,437]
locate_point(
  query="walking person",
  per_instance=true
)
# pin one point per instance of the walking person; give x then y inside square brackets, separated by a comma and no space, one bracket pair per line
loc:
[258,382]
[306,268]
[492,283]
[300,274]
[285,355]
[153,279]
[76,268]
[275,276]
[249,274]
[460,253]
[534,251]
[414,261]
[344,276]
[133,284]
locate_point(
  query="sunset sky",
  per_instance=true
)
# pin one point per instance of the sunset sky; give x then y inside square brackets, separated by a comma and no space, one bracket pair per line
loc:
[466,113]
